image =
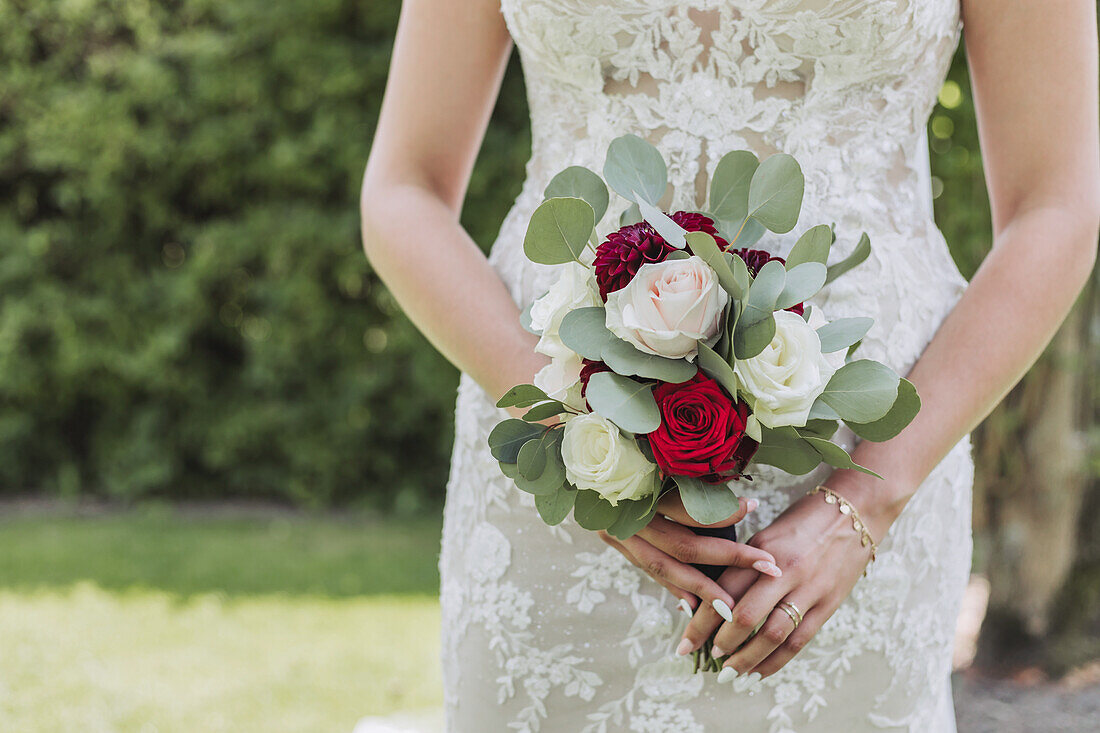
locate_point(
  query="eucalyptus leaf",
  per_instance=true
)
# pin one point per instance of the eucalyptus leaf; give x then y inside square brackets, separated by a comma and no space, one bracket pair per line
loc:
[584,330]
[631,215]
[843,332]
[820,428]
[579,182]
[627,403]
[552,475]
[862,391]
[775,193]
[544,410]
[905,408]
[836,456]
[592,511]
[634,515]
[787,451]
[729,186]
[706,503]
[522,395]
[812,246]
[624,359]
[554,507]
[509,435]
[803,281]
[763,293]
[676,254]
[669,230]
[703,246]
[858,255]
[531,459]
[634,165]
[719,369]
[740,270]
[558,231]
[820,411]
[749,341]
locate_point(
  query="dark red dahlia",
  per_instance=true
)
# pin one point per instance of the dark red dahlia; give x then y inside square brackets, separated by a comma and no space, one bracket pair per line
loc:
[624,251]
[757,258]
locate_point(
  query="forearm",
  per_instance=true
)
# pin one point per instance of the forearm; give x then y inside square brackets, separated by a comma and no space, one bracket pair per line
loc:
[1025,287]
[446,286]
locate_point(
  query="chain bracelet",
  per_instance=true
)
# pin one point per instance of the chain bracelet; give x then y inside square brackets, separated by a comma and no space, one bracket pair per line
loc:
[845,507]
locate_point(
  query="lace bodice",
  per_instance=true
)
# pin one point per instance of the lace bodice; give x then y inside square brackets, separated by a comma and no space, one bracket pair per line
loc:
[545,627]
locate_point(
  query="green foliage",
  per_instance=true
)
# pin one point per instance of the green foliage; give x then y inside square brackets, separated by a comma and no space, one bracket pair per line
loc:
[186,307]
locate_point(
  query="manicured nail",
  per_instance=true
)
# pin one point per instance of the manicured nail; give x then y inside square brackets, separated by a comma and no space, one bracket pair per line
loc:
[753,682]
[727,674]
[742,683]
[723,609]
[752,504]
[717,652]
[768,568]
[685,607]
[684,648]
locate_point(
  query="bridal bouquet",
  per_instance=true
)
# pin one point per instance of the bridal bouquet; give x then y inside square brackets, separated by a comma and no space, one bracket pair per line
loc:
[680,356]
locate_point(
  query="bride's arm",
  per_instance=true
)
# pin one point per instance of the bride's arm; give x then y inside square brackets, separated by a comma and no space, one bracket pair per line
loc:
[445,73]
[1037,124]
[1034,73]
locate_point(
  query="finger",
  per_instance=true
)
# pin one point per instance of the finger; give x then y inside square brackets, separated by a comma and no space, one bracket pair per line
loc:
[752,609]
[778,626]
[812,622]
[672,506]
[683,544]
[708,618]
[688,602]
[666,569]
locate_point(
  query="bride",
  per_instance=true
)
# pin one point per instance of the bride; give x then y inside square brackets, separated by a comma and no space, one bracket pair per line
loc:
[561,629]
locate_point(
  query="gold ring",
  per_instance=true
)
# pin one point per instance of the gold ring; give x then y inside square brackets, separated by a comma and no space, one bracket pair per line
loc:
[792,611]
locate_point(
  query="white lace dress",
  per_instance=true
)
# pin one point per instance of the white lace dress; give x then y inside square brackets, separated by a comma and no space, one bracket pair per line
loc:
[549,629]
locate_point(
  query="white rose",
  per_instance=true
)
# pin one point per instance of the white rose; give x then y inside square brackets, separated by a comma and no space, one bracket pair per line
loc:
[561,380]
[574,288]
[599,458]
[668,308]
[786,377]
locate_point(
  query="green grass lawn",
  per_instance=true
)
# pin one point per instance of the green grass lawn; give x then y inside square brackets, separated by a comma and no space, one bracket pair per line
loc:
[198,621]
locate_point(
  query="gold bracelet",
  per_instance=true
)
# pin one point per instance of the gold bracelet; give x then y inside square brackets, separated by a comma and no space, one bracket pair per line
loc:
[845,507]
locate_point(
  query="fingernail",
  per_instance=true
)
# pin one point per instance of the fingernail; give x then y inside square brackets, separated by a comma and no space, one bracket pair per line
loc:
[723,609]
[684,648]
[752,504]
[727,674]
[742,683]
[685,607]
[768,568]
[717,651]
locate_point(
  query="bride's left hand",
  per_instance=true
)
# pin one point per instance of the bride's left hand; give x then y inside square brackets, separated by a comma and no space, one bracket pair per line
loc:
[821,558]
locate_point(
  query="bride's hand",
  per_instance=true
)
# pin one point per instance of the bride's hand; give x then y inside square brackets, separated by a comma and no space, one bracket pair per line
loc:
[821,557]
[666,550]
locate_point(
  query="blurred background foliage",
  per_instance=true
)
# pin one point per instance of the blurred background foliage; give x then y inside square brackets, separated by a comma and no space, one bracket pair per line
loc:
[186,310]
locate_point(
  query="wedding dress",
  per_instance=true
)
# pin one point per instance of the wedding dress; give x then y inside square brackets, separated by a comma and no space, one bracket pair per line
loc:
[548,629]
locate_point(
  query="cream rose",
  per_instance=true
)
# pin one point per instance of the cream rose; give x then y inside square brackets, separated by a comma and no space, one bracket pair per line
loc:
[574,288]
[599,458]
[668,308]
[784,379]
[561,380]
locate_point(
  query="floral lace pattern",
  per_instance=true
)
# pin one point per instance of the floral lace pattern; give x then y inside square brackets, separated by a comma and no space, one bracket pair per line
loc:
[547,628]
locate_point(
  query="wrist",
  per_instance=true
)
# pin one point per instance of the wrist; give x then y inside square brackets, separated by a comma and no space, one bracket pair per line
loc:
[879,502]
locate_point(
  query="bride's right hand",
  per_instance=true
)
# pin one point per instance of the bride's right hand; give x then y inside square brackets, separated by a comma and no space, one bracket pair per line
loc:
[667,548]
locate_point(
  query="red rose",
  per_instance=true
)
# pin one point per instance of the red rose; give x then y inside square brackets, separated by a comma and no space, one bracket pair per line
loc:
[702,432]
[757,258]
[624,251]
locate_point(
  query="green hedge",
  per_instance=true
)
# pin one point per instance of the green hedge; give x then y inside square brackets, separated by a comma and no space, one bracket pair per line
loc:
[186,310]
